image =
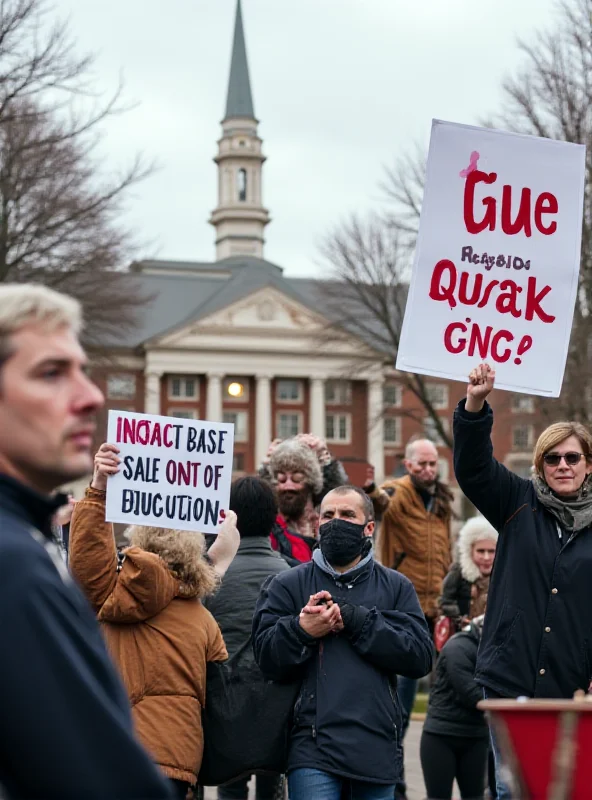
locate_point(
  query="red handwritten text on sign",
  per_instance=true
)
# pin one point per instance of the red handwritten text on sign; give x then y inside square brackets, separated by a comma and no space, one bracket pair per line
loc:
[473,289]
[545,204]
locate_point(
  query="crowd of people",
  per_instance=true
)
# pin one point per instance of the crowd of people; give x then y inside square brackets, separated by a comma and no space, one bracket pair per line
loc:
[290,645]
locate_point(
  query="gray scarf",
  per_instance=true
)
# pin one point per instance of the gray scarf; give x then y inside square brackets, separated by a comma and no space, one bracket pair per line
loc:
[320,560]
[573,515]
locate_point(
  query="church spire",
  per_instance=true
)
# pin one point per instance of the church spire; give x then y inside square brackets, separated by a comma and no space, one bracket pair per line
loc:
[239,100]
[240,217]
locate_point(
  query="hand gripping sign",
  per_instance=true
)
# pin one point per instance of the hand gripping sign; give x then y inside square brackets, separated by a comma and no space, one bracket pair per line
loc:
[497,259]
[174,473]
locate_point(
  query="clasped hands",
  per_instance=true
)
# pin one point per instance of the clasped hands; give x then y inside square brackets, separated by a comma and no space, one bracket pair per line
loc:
[321,616]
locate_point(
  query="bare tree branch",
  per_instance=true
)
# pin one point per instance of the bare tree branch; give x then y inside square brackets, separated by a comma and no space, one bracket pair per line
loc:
[550,96]
[60,210]
[369,266]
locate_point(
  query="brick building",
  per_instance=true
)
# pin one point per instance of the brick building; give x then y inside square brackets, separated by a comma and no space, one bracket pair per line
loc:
[237,340]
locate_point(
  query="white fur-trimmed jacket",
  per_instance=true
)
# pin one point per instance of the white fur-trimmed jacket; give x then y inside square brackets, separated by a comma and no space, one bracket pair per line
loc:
[455,600]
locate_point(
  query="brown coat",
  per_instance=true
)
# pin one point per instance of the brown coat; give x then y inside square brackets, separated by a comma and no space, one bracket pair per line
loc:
[408,528]
[158,633]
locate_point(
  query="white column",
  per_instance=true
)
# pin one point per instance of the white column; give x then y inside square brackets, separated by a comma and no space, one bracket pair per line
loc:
[375,428]
[262,417]
[152,392]
[317,407]
[214,397]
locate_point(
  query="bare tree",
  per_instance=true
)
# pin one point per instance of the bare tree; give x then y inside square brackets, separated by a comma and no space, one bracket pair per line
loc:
[402,186]
[60,211]
[551,96]
[369,261]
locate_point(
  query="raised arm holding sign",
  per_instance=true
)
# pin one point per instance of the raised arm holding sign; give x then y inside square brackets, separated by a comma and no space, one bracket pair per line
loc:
[148,599]
[221,553]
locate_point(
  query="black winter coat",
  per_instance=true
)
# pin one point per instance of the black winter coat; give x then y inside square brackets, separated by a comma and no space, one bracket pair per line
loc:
[452,710]
[455,600]
[65,728]
[537,637]
[233,605]
[347,719]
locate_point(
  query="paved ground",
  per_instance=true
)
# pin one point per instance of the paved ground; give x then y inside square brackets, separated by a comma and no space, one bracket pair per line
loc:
[413,775]
[415,787]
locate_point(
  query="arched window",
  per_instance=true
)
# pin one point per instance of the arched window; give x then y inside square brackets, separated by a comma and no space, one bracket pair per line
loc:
[242,185]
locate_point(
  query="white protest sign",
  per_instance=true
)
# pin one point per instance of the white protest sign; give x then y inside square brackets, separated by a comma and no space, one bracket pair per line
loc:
[497,259]
[175,473]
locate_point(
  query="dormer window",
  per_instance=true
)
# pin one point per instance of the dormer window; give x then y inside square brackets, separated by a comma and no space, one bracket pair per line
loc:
[242,185]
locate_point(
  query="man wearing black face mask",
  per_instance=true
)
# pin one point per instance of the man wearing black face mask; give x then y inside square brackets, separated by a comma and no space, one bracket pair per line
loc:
[347,626]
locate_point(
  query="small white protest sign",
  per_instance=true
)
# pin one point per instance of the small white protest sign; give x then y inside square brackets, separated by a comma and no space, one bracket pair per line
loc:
[497,258]
[174,473]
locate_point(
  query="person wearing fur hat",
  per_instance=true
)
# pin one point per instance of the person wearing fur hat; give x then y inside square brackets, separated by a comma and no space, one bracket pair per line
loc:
[302,471]
[159,633]
[464,591]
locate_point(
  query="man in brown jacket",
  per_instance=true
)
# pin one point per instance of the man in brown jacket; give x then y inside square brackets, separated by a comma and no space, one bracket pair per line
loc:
[414,535]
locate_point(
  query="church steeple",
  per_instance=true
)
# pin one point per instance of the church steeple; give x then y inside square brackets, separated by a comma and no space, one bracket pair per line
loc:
[239,100]
[239,218]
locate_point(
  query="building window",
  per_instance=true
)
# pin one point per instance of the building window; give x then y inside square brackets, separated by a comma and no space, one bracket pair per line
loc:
[242,185]
[522,403]
[236,390]
[289,425]
[238,462]
[182,413]
[443,469]
[338,393]
[338,428]
[437,395]
[392,395]
[183,387]
[431,431]
[392,430]
[289,391]
[522,437]
[240,420]
[121,386]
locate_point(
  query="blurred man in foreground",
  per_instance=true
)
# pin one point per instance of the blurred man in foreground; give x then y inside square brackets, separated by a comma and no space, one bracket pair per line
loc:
[65,728]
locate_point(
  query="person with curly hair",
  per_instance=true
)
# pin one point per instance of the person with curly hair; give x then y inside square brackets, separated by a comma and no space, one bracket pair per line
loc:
[302,471]
[158,632]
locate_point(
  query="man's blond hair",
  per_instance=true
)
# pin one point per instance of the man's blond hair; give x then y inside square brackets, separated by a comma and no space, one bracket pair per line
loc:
[24,304]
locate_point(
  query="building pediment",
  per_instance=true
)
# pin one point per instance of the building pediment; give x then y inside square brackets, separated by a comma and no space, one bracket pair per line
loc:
[267,319]
[265,311]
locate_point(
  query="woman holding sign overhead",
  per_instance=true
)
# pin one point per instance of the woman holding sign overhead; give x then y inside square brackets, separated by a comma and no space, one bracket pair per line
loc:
[537,637]
[157,630]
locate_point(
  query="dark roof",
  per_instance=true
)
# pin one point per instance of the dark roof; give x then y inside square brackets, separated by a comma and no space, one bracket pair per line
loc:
[239,101]
[182,292]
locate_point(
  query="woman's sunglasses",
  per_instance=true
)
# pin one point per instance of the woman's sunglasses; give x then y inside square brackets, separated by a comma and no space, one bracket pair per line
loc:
[554,459]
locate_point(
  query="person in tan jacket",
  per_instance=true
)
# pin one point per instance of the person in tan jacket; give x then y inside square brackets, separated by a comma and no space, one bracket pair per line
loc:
[157,630]
[414,535]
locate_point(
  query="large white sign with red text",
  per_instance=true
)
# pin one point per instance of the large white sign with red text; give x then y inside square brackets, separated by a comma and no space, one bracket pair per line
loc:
[497,259]
[174,473]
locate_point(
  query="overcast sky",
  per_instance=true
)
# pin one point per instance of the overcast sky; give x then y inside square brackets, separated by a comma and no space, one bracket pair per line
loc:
[340,86]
